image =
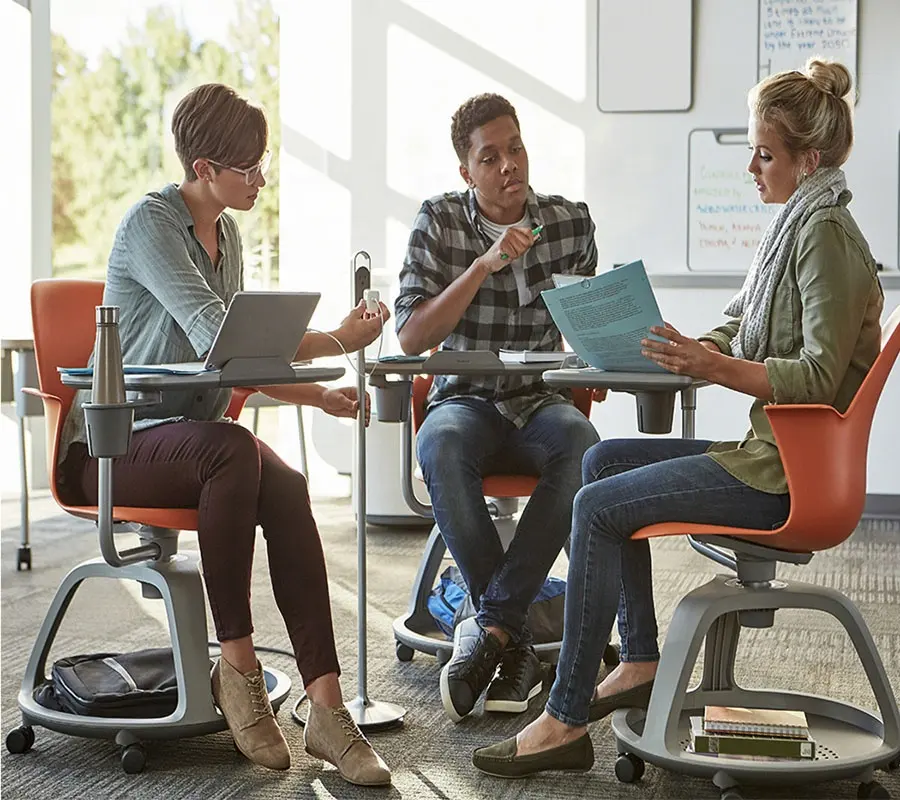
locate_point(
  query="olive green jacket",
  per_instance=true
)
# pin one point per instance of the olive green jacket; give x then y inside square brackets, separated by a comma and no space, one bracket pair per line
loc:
[824,335]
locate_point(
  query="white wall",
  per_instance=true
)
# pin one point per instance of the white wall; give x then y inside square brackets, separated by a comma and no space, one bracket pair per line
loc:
[368,87]
[15,142]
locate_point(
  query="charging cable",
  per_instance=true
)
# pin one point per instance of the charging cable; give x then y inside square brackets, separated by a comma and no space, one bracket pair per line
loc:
[373,306]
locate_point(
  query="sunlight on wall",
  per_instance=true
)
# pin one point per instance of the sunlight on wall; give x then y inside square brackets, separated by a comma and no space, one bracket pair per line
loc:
[421,101]
[318,60]
[15,140]
[518,32]
[315,239]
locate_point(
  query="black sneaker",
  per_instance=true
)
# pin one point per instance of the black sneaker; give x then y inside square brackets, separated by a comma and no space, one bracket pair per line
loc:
[466,675]
[519,679]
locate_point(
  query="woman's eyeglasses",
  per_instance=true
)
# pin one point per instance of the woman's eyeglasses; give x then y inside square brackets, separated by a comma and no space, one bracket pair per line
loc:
[251,174]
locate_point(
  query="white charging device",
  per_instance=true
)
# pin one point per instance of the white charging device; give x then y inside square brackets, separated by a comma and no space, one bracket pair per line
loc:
[372,297]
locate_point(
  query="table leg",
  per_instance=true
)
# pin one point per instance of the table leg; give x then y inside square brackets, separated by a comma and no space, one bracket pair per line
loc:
[304,465]
[688,413]
[23,558]
[367,713]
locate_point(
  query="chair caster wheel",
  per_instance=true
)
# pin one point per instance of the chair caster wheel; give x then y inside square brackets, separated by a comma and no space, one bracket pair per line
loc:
[629,768]
[19,740]
[611,655]
[23,559]
[133,759]
[732,793]
[443,656]
[872,791]
[404,652]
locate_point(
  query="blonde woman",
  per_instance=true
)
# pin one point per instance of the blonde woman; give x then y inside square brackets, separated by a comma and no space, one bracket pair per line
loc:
[803,329]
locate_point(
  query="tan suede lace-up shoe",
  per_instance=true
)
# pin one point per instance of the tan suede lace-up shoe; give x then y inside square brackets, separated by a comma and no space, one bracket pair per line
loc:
[244,702]
[332,735]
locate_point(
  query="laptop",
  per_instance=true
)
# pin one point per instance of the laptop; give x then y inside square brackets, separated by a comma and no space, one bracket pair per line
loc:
[256,325]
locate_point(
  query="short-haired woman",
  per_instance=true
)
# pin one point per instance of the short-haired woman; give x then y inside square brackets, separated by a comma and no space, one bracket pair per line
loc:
[804,329]
[175,265]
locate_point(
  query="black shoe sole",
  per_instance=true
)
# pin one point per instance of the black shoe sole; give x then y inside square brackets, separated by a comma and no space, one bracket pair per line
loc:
[513,706]
[532,774]
[635,697]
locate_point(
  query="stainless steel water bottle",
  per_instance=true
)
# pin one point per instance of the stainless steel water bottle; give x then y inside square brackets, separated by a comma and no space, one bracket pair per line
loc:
[109,379]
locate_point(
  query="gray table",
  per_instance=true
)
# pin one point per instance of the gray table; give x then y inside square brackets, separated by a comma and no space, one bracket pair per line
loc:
[212,379]
[654,394]
[13,380]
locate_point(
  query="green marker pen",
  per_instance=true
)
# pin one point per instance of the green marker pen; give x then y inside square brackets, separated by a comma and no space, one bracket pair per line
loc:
[534,232]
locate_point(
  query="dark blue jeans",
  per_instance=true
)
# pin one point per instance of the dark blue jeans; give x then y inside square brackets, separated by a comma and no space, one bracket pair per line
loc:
[628,484]
[460,442]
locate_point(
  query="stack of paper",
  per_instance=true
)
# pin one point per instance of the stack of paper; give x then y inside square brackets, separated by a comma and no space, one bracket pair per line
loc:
[533,356]
[604,318]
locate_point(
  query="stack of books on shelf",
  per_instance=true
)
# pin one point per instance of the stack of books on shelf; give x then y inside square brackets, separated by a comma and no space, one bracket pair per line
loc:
[752,733]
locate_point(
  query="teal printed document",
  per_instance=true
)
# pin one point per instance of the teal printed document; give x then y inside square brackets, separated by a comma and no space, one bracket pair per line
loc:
[605,317]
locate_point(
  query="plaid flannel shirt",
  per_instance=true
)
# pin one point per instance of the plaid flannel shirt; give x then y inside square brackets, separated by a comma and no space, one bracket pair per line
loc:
[446,237]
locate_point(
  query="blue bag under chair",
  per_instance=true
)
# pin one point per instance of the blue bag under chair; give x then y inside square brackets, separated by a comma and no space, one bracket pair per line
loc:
[450,603]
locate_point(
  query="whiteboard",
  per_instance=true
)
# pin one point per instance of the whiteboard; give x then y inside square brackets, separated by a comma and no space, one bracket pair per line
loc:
[790,31]
[644,55]
[726,219]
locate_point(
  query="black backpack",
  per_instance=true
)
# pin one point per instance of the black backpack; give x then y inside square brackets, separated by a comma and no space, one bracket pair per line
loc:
[139,684]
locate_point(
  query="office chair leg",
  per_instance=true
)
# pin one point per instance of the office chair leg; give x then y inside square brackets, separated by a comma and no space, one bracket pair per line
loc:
[182,592]
[720,652]
[304,466]
[429,566]
[35,671]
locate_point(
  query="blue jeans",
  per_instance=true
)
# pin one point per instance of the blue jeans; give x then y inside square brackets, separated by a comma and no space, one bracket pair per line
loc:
[628,484]
[460,442]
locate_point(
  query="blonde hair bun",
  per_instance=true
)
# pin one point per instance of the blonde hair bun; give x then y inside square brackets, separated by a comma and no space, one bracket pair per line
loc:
[828,76]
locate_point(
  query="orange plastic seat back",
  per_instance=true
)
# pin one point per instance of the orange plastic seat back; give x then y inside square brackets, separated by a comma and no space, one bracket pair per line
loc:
[63,318]
[63,321]
[64,324]
[825,455]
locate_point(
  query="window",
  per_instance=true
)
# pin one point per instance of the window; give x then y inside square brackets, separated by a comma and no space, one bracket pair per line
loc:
[118,71]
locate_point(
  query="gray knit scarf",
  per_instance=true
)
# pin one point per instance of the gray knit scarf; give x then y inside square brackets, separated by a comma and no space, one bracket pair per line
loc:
[753,303]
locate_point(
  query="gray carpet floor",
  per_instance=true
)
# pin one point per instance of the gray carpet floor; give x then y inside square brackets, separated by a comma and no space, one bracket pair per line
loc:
[429,755]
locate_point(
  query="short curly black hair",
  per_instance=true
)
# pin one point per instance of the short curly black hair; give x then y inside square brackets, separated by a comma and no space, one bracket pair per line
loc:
[475,112]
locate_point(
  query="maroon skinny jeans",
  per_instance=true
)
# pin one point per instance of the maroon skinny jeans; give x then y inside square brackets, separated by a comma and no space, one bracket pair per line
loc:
[236,482]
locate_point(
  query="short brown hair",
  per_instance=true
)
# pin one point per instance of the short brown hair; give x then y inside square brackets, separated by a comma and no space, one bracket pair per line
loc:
[213,121]
[810,109]
[475,112]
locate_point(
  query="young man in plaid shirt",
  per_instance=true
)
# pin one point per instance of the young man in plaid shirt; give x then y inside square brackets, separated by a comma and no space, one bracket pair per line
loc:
[475,266]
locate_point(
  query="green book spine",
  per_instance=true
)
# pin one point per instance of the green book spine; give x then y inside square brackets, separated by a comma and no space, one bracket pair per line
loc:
[753,746]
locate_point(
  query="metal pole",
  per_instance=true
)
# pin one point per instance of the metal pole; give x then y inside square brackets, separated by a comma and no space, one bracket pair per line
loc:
[366,713]
[23,558]
[361,526]
[688,412]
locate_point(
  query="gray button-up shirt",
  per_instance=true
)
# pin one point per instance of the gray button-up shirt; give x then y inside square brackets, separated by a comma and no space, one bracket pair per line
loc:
[172,300]
[508,310]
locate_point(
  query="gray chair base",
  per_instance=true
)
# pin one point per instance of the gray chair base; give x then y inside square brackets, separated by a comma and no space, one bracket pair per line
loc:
[851,742]
[177,581]
[416,629]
